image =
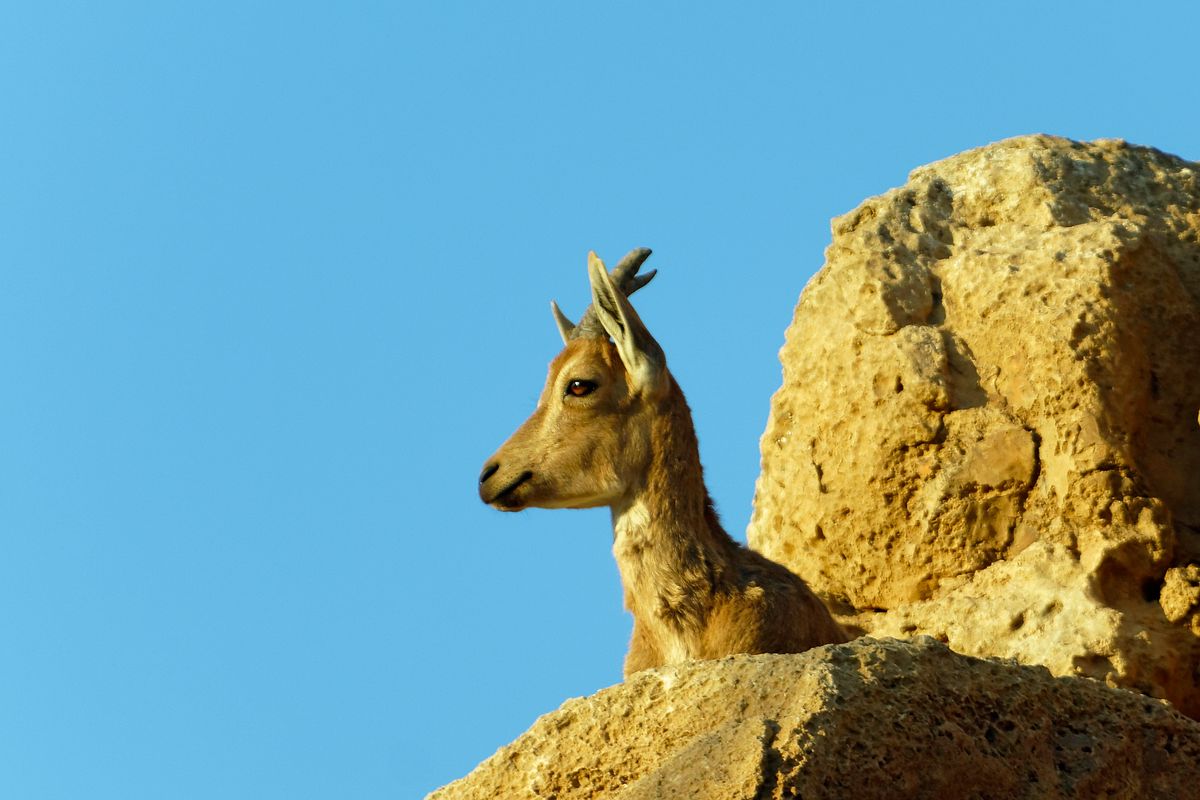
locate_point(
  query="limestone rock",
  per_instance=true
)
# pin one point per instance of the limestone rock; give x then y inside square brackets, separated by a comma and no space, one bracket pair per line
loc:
[869,719]
[987,429]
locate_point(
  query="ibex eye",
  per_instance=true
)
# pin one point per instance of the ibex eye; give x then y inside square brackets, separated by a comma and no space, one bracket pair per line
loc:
[578,388]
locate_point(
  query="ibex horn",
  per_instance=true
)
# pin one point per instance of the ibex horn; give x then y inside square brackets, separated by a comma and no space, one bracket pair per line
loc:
[565,326]
[625,277]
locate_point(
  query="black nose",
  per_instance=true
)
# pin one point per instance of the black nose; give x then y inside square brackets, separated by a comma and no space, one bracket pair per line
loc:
[488,471]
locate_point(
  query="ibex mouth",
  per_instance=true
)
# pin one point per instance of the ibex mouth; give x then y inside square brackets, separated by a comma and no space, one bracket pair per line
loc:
[504,497]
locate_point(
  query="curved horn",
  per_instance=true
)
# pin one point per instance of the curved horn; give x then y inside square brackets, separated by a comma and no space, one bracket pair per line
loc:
[565,326]
[624,276]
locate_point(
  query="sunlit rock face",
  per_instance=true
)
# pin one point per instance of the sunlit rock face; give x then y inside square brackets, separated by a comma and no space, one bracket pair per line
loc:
[869,719]
[987,430]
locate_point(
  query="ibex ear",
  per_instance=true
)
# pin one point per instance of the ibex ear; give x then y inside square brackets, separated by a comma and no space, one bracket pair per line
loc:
[641,355]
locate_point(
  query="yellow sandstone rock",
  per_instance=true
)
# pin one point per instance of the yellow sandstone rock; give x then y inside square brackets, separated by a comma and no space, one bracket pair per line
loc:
[870,719]
[987,425]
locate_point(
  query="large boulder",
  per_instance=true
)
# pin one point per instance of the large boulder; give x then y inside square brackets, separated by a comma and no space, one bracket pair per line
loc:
[987,429]
[869,719]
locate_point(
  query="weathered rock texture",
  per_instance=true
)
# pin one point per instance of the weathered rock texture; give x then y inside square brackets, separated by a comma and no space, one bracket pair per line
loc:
[987,430]
[869,719]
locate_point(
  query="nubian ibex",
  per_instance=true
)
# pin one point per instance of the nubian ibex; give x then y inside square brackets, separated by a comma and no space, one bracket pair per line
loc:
[612,428]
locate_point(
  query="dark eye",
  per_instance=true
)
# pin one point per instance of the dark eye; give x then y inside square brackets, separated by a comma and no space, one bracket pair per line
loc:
[580,388]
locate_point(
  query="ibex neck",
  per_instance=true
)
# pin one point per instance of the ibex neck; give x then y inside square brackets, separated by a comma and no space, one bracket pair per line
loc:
[671,550]
[669,510]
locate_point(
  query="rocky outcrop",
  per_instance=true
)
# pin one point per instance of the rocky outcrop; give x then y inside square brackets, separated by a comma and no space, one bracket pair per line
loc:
[987,433]
[987,429]
[869,719]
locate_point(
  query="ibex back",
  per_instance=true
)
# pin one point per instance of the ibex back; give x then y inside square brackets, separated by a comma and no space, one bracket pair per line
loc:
[612,428]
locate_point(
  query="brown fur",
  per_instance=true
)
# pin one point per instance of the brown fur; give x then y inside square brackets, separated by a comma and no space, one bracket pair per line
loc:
[693,591]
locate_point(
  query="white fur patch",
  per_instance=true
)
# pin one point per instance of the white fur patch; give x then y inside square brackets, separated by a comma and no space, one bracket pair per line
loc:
[676,649]
[631,532]
[629,524]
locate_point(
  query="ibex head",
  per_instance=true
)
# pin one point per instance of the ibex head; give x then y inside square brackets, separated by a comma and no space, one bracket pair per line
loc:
[588,441]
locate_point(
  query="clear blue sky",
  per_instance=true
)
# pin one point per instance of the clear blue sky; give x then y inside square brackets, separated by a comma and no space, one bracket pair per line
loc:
[274,282]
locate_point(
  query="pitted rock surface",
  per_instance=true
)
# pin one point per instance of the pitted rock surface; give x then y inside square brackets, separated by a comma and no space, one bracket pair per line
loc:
[987,429]
[868,719]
